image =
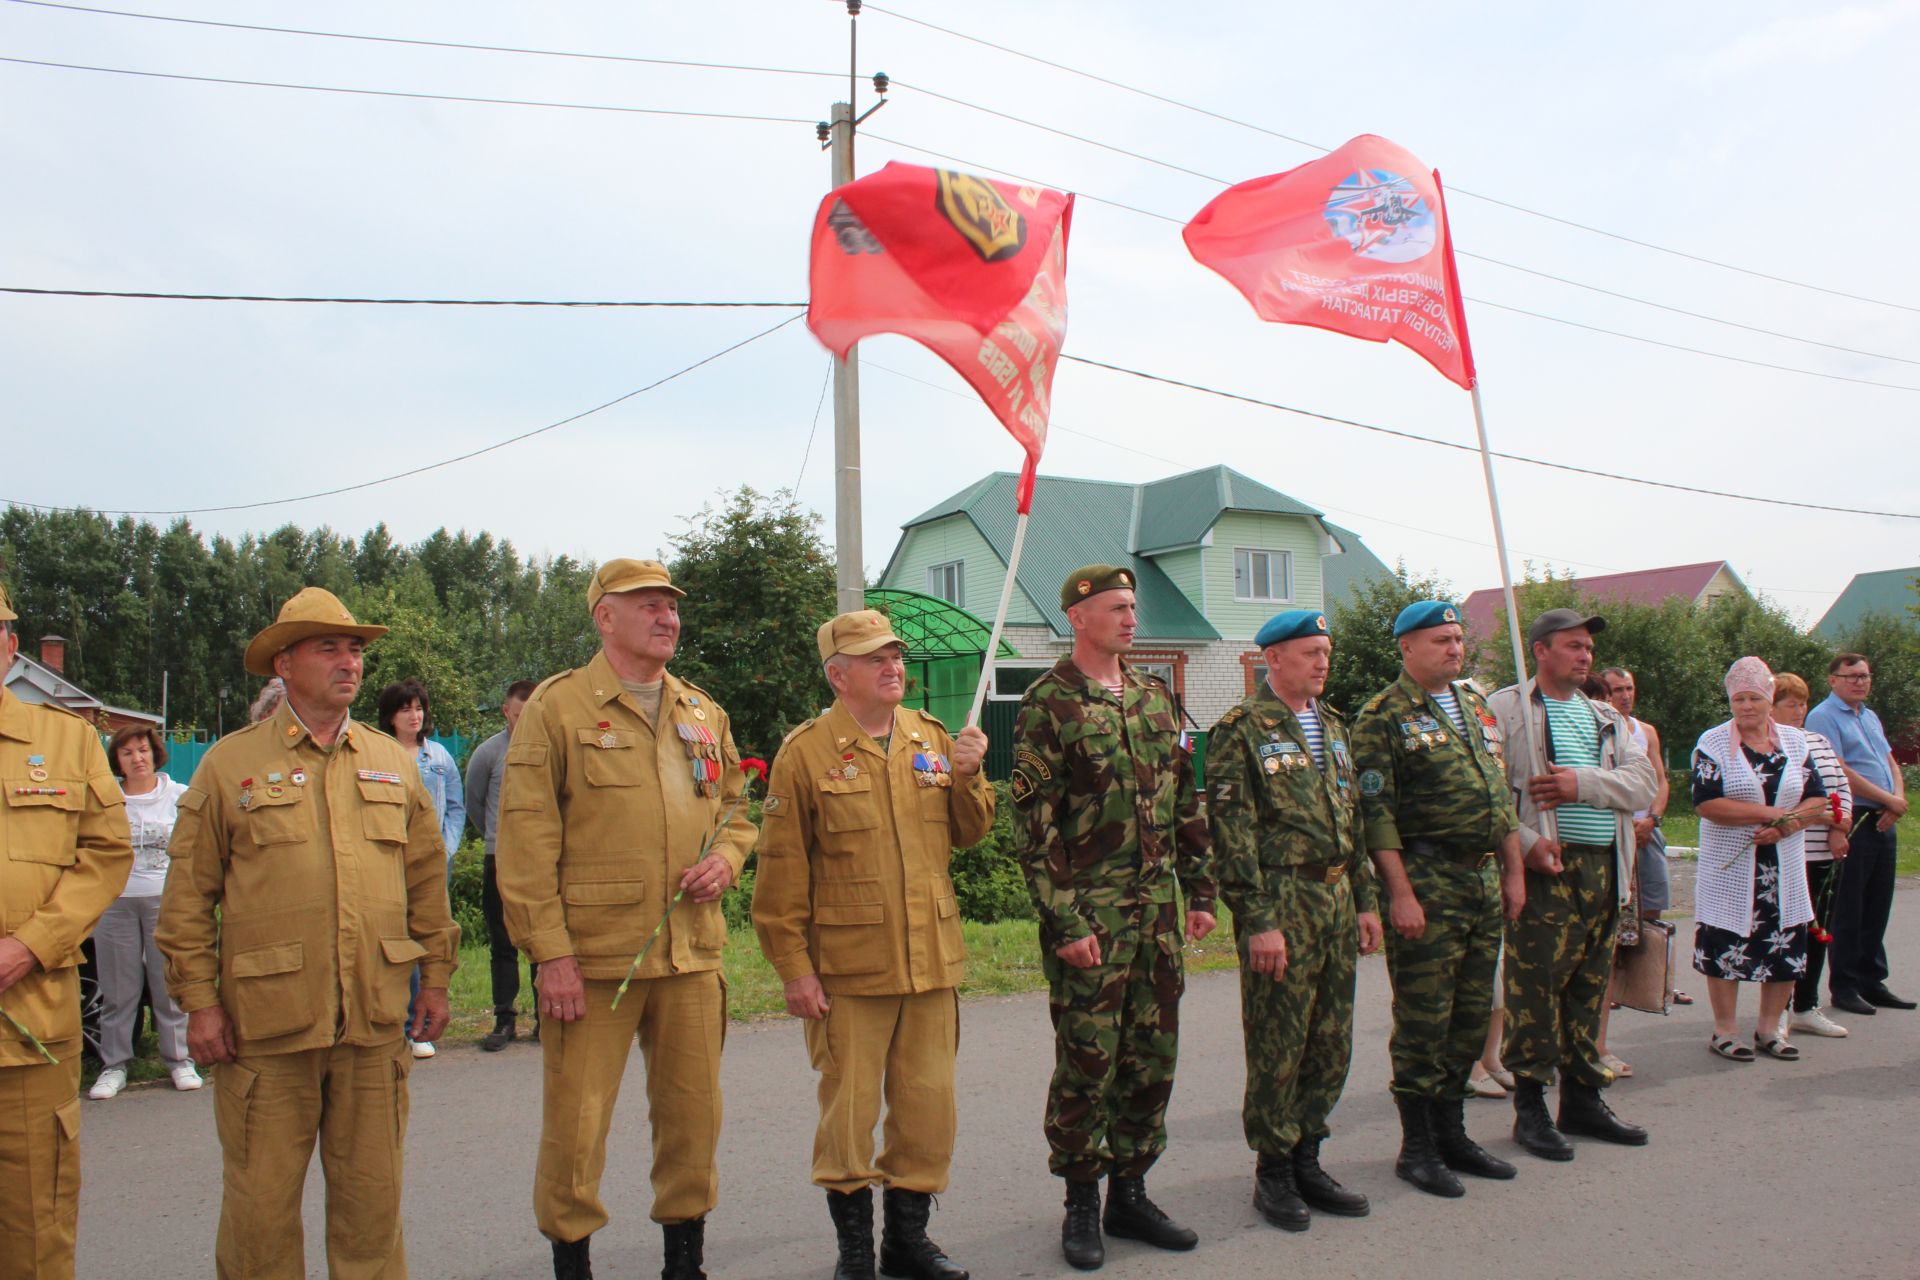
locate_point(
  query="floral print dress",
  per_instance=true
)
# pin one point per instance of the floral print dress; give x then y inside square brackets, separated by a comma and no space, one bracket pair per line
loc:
[1767,952]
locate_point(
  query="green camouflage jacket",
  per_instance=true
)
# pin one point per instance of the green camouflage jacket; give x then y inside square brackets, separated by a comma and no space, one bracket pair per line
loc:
[1107,816]
[1269,807]
[1419,779]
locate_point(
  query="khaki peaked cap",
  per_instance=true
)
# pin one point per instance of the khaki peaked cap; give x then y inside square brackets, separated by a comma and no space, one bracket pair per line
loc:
[856,633]
[616,576]
[313,611]
[6,605]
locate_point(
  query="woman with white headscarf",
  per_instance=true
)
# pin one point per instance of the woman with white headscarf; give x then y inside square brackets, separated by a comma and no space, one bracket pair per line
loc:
[1756,791]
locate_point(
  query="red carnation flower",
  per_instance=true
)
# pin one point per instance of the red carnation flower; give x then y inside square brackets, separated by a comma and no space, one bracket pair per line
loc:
[753,767]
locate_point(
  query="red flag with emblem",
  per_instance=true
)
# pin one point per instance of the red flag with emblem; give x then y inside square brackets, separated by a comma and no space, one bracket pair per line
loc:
[1356,242]
[971,268]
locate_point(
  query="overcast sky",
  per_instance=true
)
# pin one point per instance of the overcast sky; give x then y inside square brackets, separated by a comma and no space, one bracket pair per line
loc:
[1772,136]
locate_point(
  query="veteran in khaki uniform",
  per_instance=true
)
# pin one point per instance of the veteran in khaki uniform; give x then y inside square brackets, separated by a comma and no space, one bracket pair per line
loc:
[1109,826]
[1444,838]
[308,879]
[64,857]
[857,914]
[621,791]
[1283,803]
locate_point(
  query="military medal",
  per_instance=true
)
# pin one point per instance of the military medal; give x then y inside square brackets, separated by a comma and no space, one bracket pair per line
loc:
[1271,764]
[298,778]
[38,775]
[246,792]
[275,791]
[36,768]
[1440,738]
[850,772]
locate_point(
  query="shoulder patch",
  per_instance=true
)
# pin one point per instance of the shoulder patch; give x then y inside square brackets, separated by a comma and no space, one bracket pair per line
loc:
[1372,783]
[1021,787]
[1223,792]
[1031,759]
[774,806]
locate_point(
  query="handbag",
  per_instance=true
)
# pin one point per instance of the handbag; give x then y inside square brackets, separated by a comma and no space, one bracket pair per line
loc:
[1644,978]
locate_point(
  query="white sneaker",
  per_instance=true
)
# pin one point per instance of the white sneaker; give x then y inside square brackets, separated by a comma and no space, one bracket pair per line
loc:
[185,1078]
[423,1048]
[1815,1022]
[110,1082]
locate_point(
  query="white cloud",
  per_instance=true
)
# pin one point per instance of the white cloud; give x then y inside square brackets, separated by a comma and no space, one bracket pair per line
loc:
[1815,36]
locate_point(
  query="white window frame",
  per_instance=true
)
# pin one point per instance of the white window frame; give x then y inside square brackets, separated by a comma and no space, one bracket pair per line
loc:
[1285,559]
[957,570]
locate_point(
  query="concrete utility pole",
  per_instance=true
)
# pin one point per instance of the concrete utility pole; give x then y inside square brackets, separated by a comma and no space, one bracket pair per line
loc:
[849,561]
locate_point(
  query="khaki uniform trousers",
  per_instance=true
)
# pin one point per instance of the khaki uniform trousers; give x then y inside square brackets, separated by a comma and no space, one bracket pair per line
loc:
[39,1169]
[681,1023]
[899,1046]
[268,1110]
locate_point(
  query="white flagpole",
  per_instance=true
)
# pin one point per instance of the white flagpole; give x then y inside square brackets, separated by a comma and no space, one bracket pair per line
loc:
[999,618]
[1535,762]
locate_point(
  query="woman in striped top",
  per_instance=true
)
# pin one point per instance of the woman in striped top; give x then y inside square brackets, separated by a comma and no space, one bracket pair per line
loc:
[1824,845]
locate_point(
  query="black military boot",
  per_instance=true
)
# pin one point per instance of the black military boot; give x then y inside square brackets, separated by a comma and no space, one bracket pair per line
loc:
[1532,1126]
[853,1223]
[501,1036]
[1131,1216]
[904,1247]
[1080,1233]
[571,1260]
[1317,1187]
[1275,1196]
[1585,1112]
[1459,1152]
[685,1250]
[1419,1161]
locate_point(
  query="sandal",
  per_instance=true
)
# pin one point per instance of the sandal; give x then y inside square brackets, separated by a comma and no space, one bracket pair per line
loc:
[1776,1046]
[1681,997]
[1482,1085]
[1619,1066]
[1503,1078]
[1732,1050]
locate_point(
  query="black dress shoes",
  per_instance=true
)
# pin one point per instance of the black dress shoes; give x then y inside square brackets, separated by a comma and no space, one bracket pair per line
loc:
[1881,998]
[1853,1004]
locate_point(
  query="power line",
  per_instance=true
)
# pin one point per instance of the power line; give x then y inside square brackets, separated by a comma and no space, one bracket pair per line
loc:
[826,380]
[1467,448]
[397,93]
[1480,257]
[1162,217]
[1321,147]
[372,302]
[431,466]
[435,44]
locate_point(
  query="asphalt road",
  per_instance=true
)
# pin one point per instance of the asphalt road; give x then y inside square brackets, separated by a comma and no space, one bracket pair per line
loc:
[1768,1169]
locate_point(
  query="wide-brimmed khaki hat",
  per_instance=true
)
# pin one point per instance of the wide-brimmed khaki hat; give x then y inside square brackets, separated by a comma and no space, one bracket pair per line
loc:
[856,633]
[616,576]
[315,611]
[6,605]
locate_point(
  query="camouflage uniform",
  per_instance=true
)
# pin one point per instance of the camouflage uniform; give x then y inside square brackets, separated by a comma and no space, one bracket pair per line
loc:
[1108,820]
[1292,857]
[1443,803]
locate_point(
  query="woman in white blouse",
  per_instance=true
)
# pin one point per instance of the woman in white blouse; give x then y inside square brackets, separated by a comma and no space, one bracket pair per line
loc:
[1756,791]
[123,950]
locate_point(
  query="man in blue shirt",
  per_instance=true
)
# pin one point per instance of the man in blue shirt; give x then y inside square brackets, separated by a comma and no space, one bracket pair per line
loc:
[1857,976]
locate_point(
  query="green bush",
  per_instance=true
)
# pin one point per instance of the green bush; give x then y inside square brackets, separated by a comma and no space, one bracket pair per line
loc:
[465,890]
[736,904]
[987,878]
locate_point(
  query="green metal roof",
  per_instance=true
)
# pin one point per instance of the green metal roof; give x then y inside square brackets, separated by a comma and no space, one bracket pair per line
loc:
[1074,523]
[1178,511]
[1353,568]
[1889,591]
[932,627]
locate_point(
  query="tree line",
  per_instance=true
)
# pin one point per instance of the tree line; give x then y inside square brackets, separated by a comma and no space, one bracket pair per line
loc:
[468,614]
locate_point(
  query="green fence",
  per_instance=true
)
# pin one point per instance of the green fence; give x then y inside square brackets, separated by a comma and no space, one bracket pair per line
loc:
[184,757]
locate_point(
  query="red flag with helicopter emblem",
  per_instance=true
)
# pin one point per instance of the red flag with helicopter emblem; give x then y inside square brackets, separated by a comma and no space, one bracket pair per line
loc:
[971,268]
[1356,242]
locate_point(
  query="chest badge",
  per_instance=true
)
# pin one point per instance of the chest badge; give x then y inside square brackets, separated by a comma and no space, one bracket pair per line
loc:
[38,775]
[298,778]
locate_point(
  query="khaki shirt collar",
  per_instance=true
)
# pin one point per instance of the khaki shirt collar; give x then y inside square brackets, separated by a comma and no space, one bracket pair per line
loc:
[608,687]
[290,730]
[13,718]
[849,736]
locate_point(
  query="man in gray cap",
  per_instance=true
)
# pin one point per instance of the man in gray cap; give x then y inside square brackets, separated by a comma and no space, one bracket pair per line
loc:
[1578,776]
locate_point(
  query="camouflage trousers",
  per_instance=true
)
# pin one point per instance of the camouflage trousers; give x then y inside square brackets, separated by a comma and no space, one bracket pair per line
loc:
[1116,1038]
[1443,981]
[1559,961]
[1299,1030]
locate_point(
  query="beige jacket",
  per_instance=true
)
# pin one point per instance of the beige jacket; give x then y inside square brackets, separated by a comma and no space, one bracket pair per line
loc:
[306,884]
[64,858]
[600,816]
[852,881]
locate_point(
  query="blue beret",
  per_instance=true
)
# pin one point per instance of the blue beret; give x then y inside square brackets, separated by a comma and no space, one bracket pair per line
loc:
[1291,625]
[1422,614]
